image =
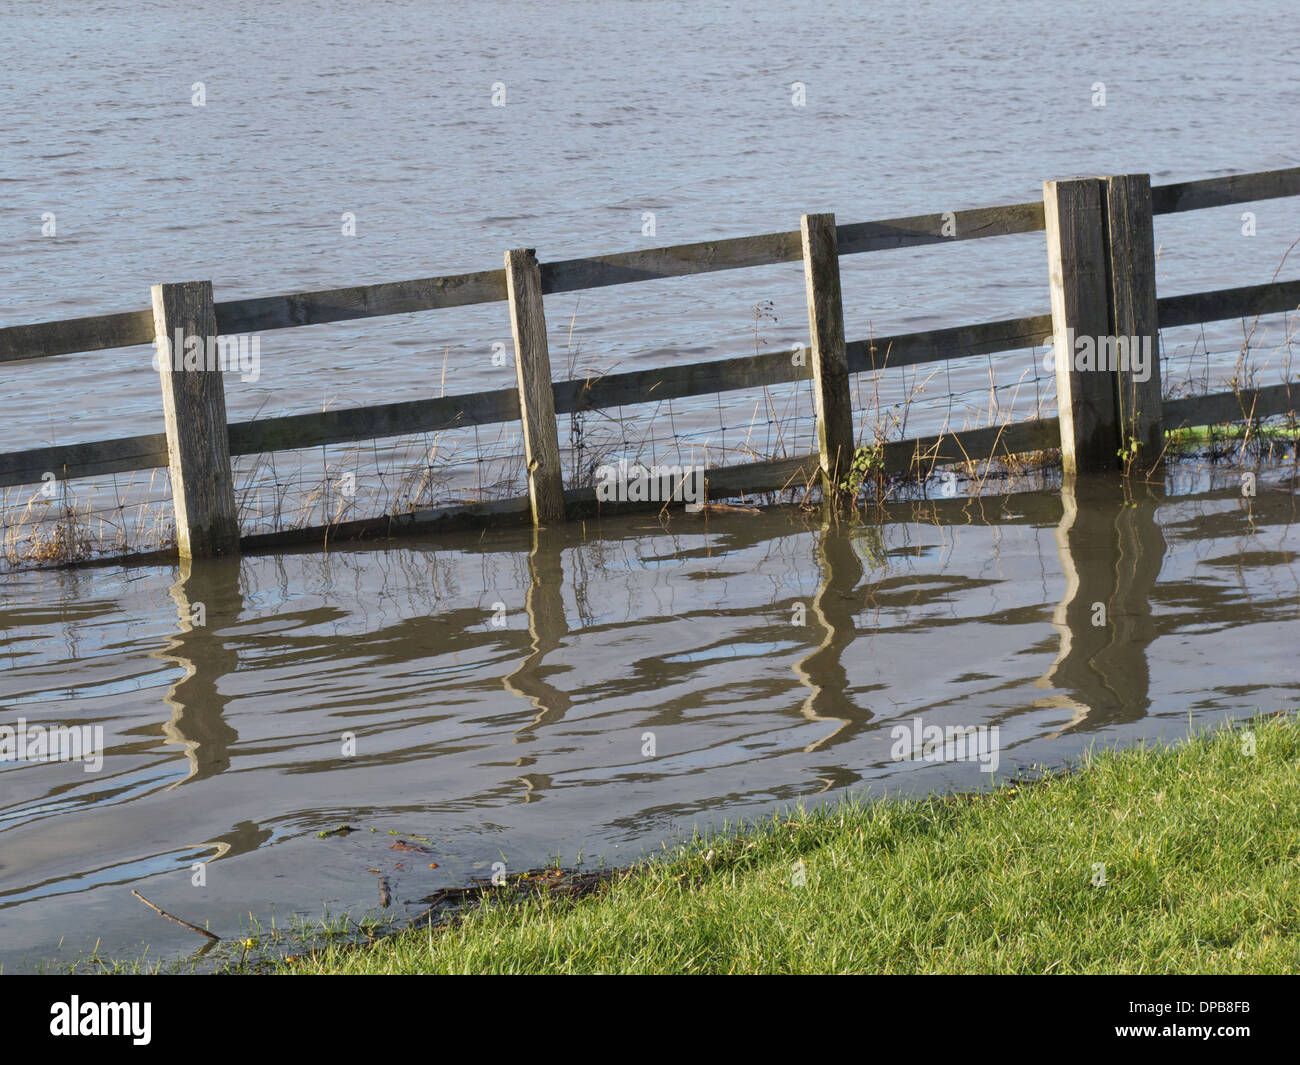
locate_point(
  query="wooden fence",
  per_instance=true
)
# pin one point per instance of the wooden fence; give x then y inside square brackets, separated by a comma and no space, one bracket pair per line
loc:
[1101,266]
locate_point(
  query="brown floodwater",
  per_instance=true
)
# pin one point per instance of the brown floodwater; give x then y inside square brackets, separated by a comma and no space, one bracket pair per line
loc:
[591,692]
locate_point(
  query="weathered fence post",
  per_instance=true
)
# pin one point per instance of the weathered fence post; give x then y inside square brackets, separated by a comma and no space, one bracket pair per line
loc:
[1085,387]
[194,406]
[1134,319]
[536,396]
[830,367]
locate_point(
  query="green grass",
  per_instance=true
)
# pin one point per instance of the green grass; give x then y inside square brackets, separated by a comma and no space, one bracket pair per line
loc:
[1200,842]
[1197,436]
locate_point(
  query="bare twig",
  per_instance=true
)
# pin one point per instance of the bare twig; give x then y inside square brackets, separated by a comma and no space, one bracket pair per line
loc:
[172,917]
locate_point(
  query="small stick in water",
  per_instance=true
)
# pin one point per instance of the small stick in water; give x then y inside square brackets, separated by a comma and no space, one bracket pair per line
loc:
[171,917]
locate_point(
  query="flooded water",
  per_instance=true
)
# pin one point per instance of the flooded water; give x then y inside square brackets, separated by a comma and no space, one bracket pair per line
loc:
[588,694]
[611,110]
[596,690]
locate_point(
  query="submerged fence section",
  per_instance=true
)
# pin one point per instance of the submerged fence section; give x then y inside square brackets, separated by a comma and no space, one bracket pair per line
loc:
[1104,324]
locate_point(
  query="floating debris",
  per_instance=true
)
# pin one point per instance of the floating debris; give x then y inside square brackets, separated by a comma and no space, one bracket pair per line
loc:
[402,845]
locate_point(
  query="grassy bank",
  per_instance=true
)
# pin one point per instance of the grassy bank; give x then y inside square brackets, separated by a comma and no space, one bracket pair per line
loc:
[1200,845]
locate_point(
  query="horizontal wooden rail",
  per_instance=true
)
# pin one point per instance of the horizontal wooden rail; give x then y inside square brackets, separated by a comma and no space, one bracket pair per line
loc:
[375,422]
[768,249]
[255,315]
[780,367]
[130,328]
[679,260]
[308,430]
[69,461]
[365,301]
[289,433]
[899,456]
[990,442]
[678,382]
[1277,297]
[936,345]
[922,230]
[1221,191]
[1220,407]
[385,420]
[408,417]
[101,333]
[724,482]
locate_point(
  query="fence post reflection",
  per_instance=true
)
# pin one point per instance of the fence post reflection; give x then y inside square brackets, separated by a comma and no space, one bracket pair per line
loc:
[208,599]
[831,616]
[547,627]
[1111,549]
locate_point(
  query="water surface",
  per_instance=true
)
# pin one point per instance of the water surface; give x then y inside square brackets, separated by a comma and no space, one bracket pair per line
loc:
[501,689]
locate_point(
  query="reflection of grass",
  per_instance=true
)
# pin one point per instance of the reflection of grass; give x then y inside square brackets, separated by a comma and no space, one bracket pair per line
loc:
[1201,435]
[1195,844]
[1254,441]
